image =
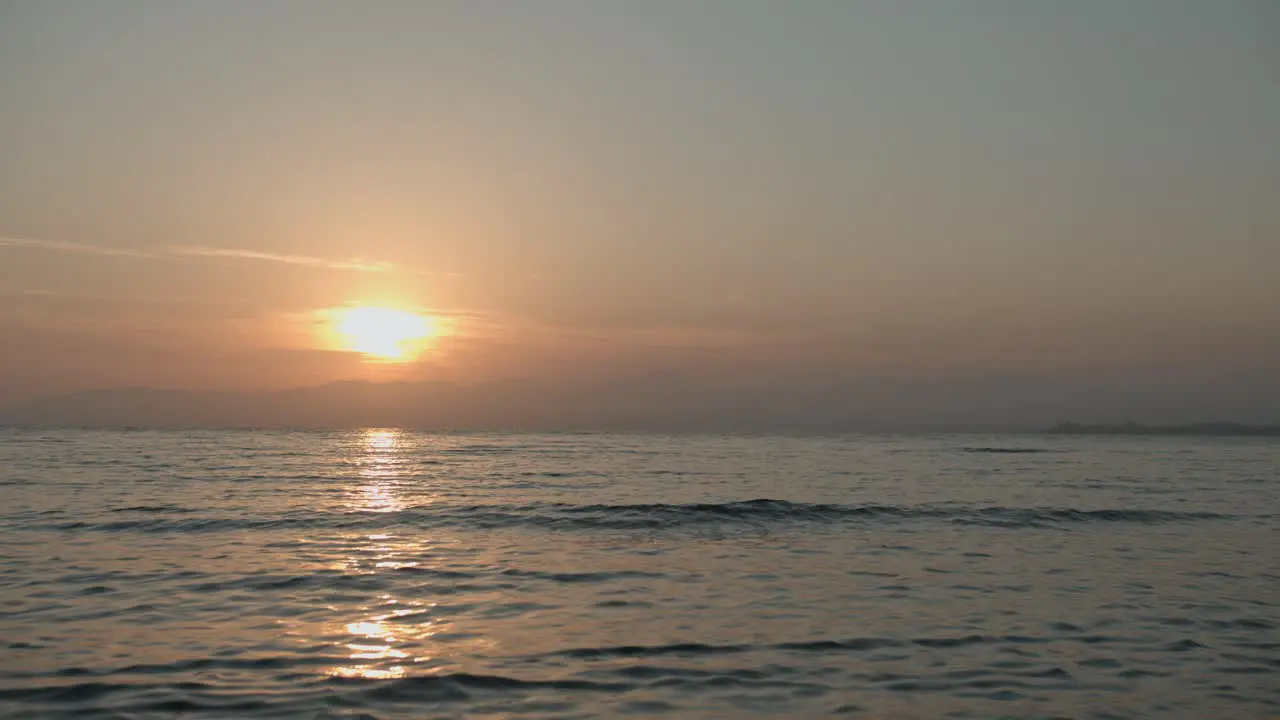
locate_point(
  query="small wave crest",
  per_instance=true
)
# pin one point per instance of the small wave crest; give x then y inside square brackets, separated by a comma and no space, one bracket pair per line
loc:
[760,514]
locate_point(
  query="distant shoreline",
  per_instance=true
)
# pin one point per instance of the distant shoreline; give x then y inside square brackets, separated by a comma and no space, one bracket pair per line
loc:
[1217,429]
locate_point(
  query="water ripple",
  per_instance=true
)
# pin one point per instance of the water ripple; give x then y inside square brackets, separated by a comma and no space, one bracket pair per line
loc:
[387,575]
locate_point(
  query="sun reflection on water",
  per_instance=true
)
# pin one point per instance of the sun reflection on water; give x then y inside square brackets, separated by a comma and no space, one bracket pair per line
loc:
[378,640]
[364,673]
[381,463]
[378,647]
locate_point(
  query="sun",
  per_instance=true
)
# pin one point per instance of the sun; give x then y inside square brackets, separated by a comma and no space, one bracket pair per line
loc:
[381,333]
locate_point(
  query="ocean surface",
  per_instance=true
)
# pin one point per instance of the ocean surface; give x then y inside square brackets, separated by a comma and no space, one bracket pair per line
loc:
[389,574]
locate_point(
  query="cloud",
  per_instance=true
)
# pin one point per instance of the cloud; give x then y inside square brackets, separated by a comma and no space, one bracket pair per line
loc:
[27,292]
[351,264]
[59,246]
[354,264]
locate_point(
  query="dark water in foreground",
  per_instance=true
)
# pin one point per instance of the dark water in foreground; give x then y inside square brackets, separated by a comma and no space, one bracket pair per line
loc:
[396,575]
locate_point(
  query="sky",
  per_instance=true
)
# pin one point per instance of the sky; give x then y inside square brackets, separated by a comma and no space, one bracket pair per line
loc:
[743,193]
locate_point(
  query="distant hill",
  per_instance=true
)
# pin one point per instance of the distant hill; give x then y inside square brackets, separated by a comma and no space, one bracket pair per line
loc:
[653,402]
[1222,429]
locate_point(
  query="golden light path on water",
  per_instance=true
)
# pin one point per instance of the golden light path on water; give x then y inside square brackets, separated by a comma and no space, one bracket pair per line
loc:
[381,467]
[373,641]
[394,634]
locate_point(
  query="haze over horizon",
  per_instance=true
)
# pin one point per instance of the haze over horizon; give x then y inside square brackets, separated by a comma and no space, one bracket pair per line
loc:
[727,213]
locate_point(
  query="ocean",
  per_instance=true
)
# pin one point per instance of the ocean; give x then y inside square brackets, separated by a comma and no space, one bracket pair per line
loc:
[393,574]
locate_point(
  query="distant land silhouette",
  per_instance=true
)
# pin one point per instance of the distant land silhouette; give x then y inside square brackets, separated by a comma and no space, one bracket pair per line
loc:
[662,401]
[1226,429]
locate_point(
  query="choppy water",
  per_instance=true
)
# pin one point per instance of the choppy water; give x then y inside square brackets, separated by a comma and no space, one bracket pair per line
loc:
[383,574]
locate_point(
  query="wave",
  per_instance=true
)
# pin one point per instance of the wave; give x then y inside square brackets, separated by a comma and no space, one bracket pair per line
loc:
[760,513]
[599,681]
[1005,451]
[856,644]
[175,509]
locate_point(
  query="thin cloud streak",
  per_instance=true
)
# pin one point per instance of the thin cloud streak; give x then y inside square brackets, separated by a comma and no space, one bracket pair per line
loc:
[352,264]
[357,265]
[69,247]
[26,292]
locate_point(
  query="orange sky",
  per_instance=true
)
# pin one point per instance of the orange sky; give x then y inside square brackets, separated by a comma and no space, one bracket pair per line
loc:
[578,191]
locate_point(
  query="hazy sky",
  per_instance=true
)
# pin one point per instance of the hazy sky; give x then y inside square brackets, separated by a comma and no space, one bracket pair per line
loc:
[766,190]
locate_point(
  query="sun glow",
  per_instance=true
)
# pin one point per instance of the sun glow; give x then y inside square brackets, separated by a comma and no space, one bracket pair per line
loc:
[382,333]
